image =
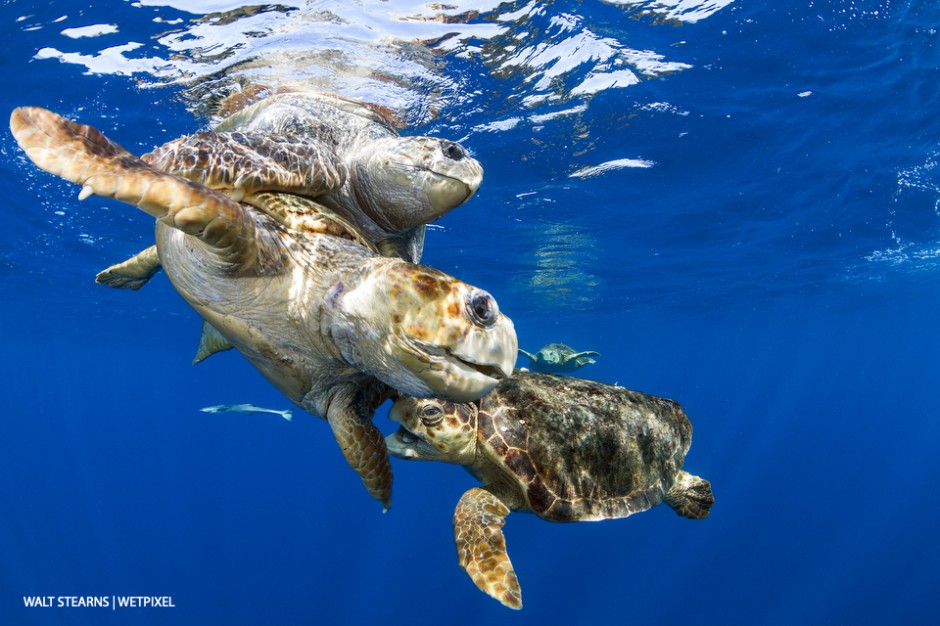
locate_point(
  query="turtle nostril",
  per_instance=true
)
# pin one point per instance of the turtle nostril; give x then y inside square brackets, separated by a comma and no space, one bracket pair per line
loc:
[453,151]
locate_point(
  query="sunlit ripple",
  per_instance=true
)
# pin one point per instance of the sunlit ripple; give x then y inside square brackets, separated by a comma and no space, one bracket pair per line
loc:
[415,58]
[560,279]
[913,248]
[679,10]
[609,166]
[93,30]
[211,6]
[561,256]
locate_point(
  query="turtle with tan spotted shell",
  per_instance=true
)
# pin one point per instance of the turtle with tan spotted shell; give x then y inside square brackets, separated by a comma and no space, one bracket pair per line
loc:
[344,154]
[298,290]
[564,448]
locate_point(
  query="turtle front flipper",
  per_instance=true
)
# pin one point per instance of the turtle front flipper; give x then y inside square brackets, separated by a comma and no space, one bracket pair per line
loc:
[481,546]
[250,162]
[585,354]
[82,154]
[133,273]
[531,356]
[362,444]
[584,358]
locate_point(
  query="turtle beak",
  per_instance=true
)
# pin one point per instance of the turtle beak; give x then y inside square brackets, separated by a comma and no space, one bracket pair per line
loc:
[401,444]
[480,360]
[404,444]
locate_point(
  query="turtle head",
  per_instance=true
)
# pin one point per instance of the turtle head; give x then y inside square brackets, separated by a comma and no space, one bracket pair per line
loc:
[433,430]
[425,333]
[403,182]
[552,355]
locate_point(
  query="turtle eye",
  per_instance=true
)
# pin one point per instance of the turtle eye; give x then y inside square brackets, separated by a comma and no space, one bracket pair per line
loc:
[482,309]
[452,150]
[431,414]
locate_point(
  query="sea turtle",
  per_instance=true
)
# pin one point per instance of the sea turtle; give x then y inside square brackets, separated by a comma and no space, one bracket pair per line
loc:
[331,323]
[345,154]
[563,448]
[557,358]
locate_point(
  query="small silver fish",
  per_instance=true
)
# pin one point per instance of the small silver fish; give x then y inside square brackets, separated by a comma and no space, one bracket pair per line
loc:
[247,409]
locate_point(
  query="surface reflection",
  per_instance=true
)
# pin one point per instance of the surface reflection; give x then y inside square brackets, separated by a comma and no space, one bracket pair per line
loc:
[561,257]
[675,10]
[415,58]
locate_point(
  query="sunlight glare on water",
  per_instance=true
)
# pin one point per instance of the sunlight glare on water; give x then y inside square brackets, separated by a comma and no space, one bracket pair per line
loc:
[393,54]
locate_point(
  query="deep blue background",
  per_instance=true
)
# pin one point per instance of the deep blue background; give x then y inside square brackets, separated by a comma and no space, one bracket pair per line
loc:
[776,271]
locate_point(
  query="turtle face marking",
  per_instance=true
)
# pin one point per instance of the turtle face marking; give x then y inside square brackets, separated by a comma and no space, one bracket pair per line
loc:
[415,180]
[440,337]
[433,430]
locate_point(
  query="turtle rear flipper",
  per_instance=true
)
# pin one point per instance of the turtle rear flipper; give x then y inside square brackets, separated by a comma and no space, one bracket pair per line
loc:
[690,496]
[133,273]
[481,546]
[82,154]
[210,342]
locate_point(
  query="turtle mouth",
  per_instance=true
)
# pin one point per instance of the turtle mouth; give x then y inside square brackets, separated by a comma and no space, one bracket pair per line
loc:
[473,373]
[452,184]
[461,370]
[407,437]
[488,370]
[404,444]
[438,358]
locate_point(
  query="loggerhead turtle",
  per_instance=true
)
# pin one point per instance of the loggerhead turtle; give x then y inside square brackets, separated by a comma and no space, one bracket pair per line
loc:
[353,160]
[563,448]
[557,358]
[326,319]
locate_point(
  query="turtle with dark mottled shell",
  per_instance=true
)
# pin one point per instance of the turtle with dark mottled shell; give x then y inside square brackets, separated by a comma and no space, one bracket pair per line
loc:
[557,358]
[563,448]
[298,290]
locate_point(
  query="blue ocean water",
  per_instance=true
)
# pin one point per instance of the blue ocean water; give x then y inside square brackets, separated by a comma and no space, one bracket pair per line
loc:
[737,203]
